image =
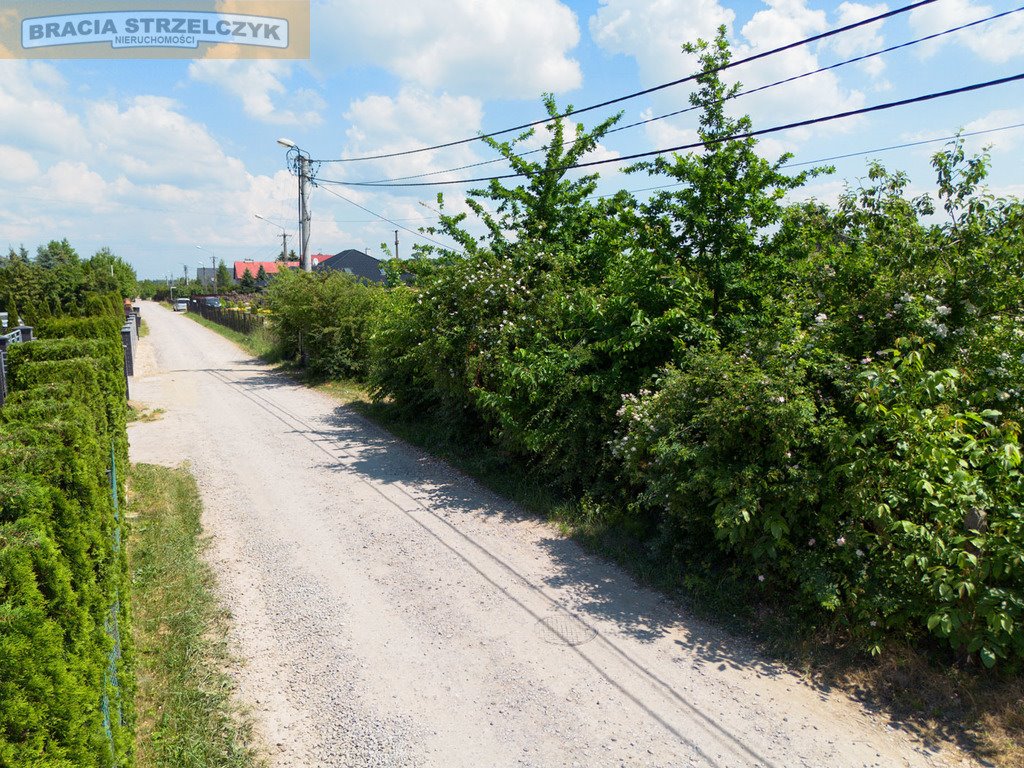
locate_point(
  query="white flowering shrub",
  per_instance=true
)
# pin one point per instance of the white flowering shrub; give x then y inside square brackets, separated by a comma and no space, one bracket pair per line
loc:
[937,495]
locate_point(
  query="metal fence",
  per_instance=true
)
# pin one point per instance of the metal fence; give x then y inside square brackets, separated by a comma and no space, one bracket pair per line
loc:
[19,334]
[236,320]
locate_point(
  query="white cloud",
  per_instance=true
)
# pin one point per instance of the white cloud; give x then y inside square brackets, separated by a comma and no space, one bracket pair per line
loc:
[490,48]
[861,40]
[653,33]
[782,22]
[260,87]
[413,118]
[73,182]
[1002,140]
[17,165]
[31,116]
[138,175]
[151,141]
[998,41]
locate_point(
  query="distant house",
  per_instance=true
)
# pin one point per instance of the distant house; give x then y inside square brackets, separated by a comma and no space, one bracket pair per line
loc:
[354,263]
[270,267]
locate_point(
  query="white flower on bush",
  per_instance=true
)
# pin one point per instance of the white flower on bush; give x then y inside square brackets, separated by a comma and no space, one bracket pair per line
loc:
[943,310]
[841,541]
[820,318]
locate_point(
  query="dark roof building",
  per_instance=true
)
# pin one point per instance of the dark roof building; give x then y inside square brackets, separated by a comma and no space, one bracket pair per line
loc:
[354,263]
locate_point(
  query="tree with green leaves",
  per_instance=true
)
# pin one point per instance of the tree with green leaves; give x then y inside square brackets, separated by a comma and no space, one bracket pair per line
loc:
[717,223]
[21,286]
[104,272]
[223,278]
[62,273]
[248,283]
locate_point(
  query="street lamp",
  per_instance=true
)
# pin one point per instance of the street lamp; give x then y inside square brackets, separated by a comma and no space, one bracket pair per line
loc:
[284,236]
[298,161]
[213,264]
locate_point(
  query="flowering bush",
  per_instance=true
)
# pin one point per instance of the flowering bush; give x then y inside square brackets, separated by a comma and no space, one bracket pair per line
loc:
[731,377]
[937,492]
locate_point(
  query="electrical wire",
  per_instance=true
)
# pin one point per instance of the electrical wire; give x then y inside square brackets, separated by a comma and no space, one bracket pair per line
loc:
[678,112]
[860,153]
[653,89]
[701,144]
[385,218]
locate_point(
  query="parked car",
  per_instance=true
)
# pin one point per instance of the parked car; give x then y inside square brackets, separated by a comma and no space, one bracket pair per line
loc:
[181,305]
[211,301]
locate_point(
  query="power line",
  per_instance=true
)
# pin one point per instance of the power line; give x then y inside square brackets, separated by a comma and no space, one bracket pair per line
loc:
[384,218]
[653,89]
[859,153]
[678,112]
[700,144]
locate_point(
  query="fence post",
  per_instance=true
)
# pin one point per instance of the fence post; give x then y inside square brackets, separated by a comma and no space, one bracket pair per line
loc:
[3,368]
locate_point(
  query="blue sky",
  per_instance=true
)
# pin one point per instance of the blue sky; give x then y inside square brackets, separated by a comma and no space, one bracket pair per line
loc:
[153,158]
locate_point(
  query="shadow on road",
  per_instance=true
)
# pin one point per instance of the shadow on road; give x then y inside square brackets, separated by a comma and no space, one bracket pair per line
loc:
[599,589]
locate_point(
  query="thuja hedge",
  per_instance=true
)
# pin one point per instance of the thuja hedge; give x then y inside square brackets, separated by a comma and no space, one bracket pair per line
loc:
[66,673]
[107,358]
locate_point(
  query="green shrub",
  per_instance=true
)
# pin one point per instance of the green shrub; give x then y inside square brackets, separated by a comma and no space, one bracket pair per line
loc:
[325,316]
[51,660]
[939,491]
[55,450]
[106,326]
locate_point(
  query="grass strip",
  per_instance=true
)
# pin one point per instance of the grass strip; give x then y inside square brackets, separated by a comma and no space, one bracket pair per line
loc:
[186,717]
[259,344]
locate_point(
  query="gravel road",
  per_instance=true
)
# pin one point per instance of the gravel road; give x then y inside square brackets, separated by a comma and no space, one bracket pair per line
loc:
[388,611]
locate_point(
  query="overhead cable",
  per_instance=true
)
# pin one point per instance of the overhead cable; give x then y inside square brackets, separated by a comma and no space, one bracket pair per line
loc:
[820,70]
[653,89]
[383,218]
[700,144]
[859,153]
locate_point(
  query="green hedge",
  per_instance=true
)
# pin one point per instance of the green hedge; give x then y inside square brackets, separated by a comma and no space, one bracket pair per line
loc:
[66,672]
[54,361]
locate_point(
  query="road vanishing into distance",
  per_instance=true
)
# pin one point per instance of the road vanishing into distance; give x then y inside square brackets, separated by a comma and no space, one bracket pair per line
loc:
[388,611]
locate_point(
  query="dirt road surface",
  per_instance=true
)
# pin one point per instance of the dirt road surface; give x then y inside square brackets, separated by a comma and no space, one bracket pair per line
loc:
[388,611]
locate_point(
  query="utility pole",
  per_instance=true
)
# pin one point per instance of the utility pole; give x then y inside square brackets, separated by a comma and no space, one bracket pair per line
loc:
[185,268]
[396,244]
[284,246]
[304,213]
[302,162]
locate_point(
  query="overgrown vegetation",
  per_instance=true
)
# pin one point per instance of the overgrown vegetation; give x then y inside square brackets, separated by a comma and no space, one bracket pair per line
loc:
[186,717]
[814,407]
[66,655]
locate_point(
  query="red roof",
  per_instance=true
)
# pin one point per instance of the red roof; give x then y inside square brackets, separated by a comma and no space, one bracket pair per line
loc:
[270,267]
